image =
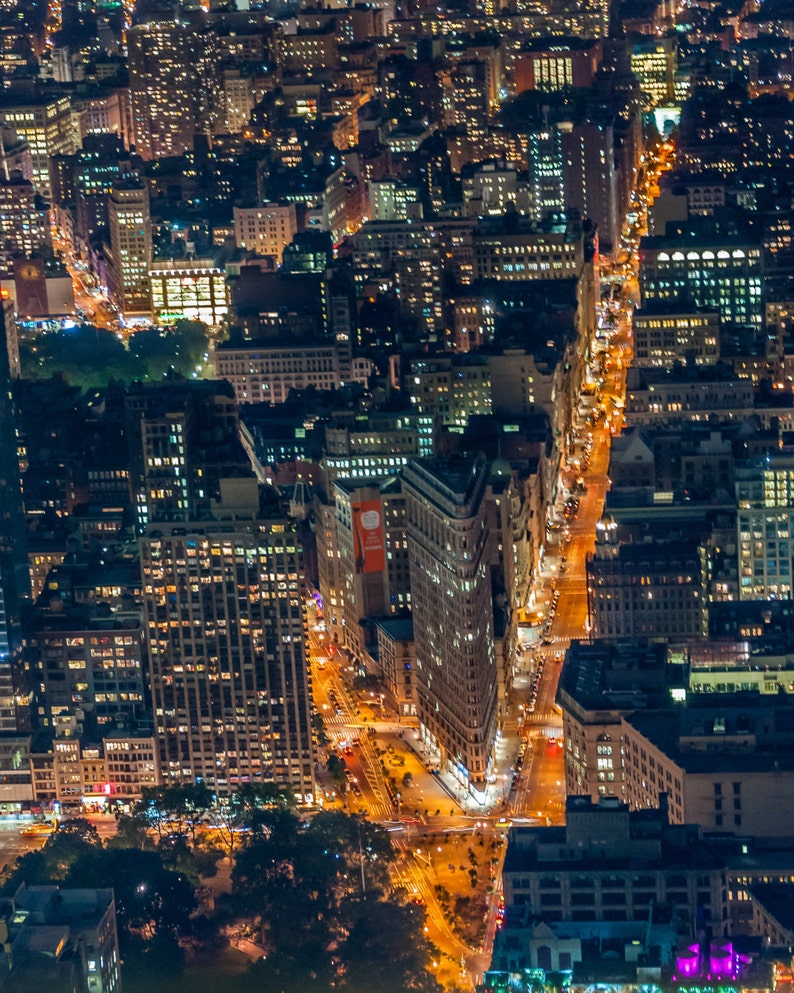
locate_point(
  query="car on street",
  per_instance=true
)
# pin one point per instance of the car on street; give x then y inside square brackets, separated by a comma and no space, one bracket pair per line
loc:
[37,830]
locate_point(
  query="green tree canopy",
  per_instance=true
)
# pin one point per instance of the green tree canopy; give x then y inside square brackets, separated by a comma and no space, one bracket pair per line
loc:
[249,809]
[177,809]
[150,898]
[314,887]
[386,949]
[179,349]
[87,356]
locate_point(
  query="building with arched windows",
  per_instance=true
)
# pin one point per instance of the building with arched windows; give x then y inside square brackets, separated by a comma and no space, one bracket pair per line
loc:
[719,272]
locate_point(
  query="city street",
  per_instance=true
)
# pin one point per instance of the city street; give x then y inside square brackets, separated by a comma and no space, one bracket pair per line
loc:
[529,774]
[88,299]
[13,844]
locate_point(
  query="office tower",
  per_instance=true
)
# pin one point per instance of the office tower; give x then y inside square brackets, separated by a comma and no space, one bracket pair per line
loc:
[453,614]
[24,219]
[419,285]
[102,162]
[14,575]
[544,160]
[130,247]
[239,92]
[764,522]
[87,665]
[8,718]
[224,612]
[45,123]
[376,444]
[452,389]
[163,59]
[394,200]
[183,437]
[589,177]
[719,270]
[266,230]
[466,97]
[654,62]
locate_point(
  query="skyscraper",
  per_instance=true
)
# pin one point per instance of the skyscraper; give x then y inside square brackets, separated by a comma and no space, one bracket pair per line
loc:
[14,575]
[44,121]
[130,246]
[589,179]
[24,219]
[544,157]
[453,614]
[224,608]
[163,63]
[183,437]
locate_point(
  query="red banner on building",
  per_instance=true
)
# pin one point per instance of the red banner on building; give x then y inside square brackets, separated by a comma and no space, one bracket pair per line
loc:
[369,544]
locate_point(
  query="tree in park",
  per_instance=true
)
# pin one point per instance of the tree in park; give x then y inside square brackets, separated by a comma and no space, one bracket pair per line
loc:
[313,888]
[386,949]
[151,899]
[177,809]
[250,808]
[132,832]
[309,869]
[86,355]
[179,349]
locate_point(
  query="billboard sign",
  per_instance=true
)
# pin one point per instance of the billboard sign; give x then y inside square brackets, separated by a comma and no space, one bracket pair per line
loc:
[369,544]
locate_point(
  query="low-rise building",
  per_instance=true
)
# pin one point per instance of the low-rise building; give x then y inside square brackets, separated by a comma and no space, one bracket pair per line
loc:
[194,289]
[665,333]
[266,371]
[62,939]
[648,589]
[660,396]
[600,682]
[397,661]
[724,761]
[608,863]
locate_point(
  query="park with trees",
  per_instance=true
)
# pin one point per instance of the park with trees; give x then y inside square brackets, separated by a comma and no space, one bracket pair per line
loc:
[88,356]
[312,893]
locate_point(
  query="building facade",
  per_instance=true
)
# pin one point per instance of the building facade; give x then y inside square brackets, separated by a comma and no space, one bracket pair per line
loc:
[130,247]
[194,289]
[224,609]
[664,335]
[266,230]
[163,59]
[456,673]
[262,372]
